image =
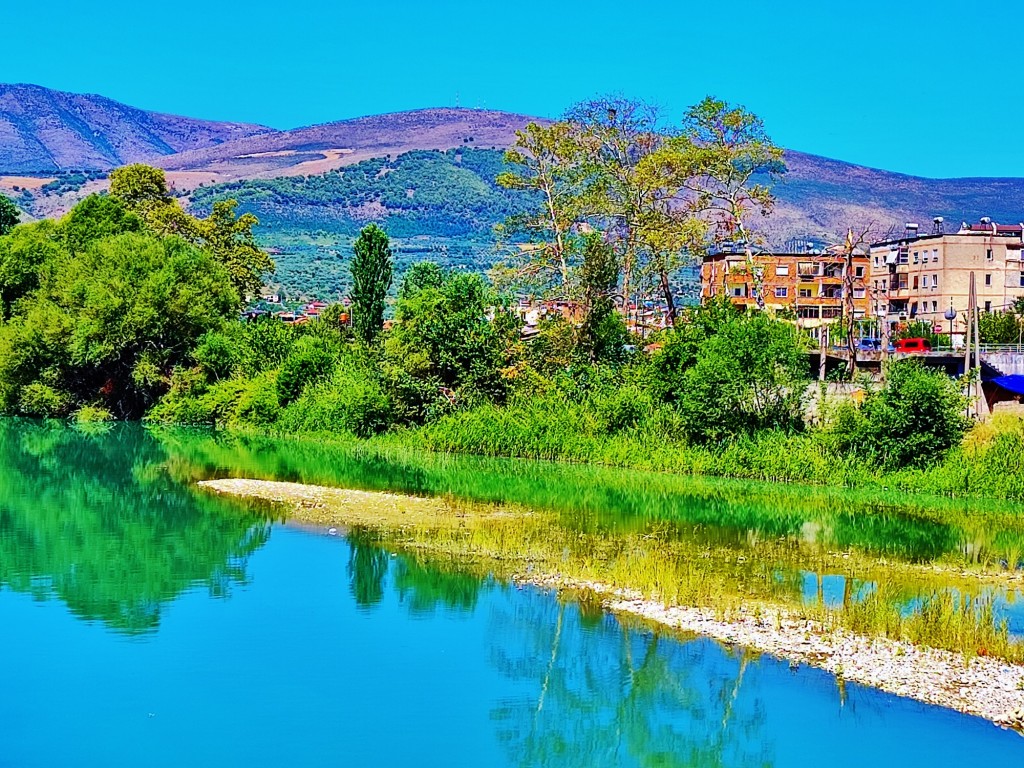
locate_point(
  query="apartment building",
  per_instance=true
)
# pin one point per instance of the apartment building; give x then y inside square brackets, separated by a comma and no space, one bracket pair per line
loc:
[810,285]
[920,276]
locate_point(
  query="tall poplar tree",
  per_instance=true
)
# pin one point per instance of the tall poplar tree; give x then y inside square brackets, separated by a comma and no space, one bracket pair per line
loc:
[371,279]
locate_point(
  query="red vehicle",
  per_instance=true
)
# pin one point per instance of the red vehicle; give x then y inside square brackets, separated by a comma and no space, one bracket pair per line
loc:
[913,345]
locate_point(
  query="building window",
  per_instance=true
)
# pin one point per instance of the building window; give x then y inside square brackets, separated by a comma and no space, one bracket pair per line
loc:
[805,293]
[807,313]
[935,281]
[988,306]
[915,256]
[924,281]
[858,293]
[737,291]
[885,284]
[782,270]
[1022,279]
[913,308]
[858,271]
[827,313]
[781,293]
[902,284]
[935,255]
[988,279]
[935,306]
[915,282]
[988,254]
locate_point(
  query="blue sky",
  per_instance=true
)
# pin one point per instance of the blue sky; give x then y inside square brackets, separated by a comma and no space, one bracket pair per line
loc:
[929,88]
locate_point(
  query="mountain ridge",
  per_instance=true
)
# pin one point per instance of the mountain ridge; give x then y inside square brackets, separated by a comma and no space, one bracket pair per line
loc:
[818,198]
[45,131]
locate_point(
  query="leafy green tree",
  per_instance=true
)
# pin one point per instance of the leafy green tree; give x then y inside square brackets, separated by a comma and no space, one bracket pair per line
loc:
[109,325]
[97,217]
[750,375]
[913,420]
[230,239]
[9,215]
[447,335]
[546,162]
[371,279]
[602,334]
[421,275]
[140,187]
[999,327]
[23,254]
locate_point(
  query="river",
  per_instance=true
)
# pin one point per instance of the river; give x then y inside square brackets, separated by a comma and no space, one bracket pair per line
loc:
[147,623]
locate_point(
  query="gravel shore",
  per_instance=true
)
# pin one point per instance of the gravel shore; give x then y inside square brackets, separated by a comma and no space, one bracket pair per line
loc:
[982,686]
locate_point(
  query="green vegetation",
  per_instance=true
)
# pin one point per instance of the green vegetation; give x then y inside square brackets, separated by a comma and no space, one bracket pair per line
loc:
[371,279]
[100,524]
[436,205]
[9,215]
[100,308]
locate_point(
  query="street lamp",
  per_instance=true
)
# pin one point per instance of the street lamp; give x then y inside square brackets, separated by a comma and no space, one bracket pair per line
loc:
[951,316]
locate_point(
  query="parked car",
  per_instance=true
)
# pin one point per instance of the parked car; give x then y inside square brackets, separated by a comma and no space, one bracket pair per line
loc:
[913,345]
[869,344]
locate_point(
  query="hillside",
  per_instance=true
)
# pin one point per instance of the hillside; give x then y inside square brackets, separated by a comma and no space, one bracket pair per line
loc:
[321,148]
[314,187]
[819,198]
[45,131]
[434,204]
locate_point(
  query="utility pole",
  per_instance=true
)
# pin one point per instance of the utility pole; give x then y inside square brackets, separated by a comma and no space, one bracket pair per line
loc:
[823,346]
[979,403]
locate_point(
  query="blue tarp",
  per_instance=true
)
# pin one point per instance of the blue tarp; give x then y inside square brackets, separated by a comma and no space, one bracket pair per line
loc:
[1013,383]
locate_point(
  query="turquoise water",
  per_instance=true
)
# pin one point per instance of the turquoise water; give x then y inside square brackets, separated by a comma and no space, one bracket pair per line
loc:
[145,624]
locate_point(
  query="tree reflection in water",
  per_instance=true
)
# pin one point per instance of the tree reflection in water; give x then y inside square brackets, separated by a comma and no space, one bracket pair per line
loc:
[608,695]
[96,520]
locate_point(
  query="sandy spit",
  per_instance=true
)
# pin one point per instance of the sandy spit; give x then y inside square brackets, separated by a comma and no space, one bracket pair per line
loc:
[986,687]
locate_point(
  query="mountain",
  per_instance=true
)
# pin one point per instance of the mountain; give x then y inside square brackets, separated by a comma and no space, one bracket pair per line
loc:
[321,148]
[819,198]
[426,175]
[45,131]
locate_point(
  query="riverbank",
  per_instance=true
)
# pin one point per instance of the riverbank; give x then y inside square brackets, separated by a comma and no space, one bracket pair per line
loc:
[983,685]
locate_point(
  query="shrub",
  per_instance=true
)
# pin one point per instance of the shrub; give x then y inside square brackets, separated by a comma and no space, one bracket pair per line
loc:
[309,361]
[258,403]
[914,419]
[38,399]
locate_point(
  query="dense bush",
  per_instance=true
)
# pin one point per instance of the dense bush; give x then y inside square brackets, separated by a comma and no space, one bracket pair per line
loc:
[912,421]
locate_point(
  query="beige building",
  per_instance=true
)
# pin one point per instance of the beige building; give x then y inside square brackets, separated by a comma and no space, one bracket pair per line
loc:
[919,277]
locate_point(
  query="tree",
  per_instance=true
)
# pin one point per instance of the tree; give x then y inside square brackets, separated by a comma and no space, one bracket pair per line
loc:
[9,215]
[913,420]
[229,238]
[736,162]
[748,376]
[107,326]
[602,334]
[444,336]
[371,279]
[142,188]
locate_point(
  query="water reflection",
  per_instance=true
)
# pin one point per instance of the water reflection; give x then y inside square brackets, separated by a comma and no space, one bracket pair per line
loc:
[93,520]
[594,499]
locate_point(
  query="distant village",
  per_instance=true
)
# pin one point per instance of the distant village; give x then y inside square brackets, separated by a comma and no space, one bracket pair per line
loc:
[919,277]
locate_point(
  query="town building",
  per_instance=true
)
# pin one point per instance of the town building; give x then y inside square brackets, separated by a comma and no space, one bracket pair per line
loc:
[811,285]
[921,276]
